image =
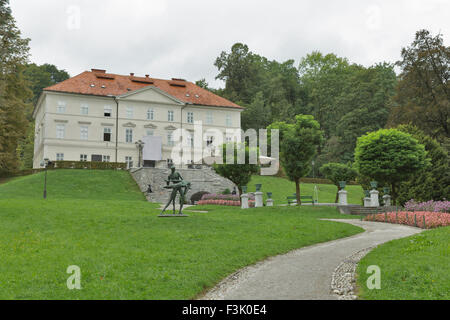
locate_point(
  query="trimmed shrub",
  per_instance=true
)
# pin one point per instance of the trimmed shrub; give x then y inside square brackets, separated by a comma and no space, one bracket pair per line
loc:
[88,165]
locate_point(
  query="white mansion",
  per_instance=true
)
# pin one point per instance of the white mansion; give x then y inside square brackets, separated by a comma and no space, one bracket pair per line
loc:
[97,116]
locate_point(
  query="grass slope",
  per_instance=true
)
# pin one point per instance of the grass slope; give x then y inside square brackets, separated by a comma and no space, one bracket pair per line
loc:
[416,268]
[74,184]
[92,219]
[281,188]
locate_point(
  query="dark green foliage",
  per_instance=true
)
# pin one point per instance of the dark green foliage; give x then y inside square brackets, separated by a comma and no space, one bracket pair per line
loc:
[423,92]
[432,183]
[239,174]
[389,156]
[337,172]
[14,92]
[198,196]
[298,146]
[363,105]
[38,78]
[88,165]
[269,90]
[43,76]
[347,100]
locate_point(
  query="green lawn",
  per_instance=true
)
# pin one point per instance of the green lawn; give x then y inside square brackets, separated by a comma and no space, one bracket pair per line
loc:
[74,184]
[416,268]
[281,188]
[99,221]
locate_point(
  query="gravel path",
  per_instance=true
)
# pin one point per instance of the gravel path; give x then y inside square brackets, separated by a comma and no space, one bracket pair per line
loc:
[322,271]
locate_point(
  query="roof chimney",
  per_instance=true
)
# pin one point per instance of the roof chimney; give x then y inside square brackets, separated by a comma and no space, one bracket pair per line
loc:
[98,70]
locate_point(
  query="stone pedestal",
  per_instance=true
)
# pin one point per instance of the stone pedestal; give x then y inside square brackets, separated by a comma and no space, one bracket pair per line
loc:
[374,202]
[342,197]
[269,203]
[244,201]
[367,202]
[258,199]
[387,200]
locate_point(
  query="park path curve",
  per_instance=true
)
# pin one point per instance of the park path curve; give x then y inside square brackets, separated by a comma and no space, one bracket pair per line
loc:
[305,273]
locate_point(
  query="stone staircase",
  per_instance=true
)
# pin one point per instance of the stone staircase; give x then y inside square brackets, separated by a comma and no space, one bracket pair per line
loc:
[360,210]
[204,179]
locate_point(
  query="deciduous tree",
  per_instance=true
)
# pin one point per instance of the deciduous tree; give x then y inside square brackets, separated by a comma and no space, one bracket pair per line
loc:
[239,173]
[298,146]
[14,92]
[423,92]
[389,156]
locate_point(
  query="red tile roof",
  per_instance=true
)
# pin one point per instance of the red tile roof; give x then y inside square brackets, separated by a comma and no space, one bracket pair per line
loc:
[106,84]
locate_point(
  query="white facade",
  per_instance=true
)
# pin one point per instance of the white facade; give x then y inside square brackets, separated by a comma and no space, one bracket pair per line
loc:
[76,127]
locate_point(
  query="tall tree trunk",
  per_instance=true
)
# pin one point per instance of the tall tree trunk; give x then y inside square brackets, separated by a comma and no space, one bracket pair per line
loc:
[393,194]
[297,191]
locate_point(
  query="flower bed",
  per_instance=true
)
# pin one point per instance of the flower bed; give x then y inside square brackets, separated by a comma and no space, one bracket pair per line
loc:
[215,196]
[220,202]
[420,219]
[431,206]
[225,200]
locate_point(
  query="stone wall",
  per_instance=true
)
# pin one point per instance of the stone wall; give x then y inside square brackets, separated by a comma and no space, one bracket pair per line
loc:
[205,179]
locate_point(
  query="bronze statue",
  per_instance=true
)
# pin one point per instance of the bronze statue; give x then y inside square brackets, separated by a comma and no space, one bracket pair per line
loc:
[178,186]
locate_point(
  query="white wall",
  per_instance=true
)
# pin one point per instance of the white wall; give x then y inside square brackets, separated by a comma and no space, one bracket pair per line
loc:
[47,118]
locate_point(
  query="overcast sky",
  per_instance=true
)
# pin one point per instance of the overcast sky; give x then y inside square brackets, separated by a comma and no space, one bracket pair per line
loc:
[175,38]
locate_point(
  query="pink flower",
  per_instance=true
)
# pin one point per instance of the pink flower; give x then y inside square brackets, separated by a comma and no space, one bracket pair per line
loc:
[421,219]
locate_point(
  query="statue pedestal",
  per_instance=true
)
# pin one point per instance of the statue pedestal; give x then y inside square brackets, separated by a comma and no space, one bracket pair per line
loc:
[342,197]
[367,202]
[244,201]
[258,199]
[374,202]
[172,215]
[269,203]
[387,200]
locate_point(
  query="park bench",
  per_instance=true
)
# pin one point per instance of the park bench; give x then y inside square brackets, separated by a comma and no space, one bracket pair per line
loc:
[304,199]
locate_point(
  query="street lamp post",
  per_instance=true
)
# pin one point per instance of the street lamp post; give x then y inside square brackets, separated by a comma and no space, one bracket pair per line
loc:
[140,146]
[45,164]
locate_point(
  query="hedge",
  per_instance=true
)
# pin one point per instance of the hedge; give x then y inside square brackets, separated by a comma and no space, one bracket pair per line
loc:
[88,165]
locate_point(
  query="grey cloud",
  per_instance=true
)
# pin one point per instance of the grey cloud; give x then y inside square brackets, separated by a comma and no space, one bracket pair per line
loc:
[174,38]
